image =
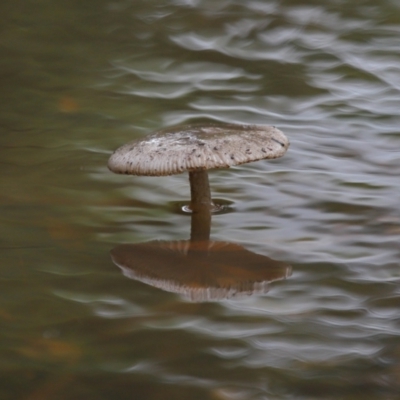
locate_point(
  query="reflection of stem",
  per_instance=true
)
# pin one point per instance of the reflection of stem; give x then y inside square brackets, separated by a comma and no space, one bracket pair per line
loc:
[201,224]
[201,205]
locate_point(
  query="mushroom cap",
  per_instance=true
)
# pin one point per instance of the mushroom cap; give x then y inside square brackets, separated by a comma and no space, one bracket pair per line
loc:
[201,270]
[197,147]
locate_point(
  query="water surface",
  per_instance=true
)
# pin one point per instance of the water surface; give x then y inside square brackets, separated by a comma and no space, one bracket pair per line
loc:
[80,79]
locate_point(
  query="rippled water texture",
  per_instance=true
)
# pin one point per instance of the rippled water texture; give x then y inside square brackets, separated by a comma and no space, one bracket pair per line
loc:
[81,78]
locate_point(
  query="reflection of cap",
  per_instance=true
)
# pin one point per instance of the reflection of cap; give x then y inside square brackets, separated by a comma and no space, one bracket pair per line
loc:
[202,271]
[198,147]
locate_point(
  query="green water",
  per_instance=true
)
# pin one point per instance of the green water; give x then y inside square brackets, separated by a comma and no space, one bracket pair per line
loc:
[79,79]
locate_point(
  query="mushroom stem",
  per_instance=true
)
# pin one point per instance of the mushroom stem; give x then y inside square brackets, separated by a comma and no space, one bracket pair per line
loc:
[201,205]
[200,190]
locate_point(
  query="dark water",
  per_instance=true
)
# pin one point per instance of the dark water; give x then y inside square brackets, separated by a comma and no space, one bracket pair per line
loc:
[81,78]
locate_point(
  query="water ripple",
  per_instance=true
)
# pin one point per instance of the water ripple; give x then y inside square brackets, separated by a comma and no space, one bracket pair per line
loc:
[324,73]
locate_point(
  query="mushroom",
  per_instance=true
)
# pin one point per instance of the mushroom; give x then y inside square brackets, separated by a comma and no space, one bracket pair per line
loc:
[200,270]
[197,148]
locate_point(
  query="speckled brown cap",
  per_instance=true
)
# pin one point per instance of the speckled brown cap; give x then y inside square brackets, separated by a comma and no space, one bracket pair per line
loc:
[198,147]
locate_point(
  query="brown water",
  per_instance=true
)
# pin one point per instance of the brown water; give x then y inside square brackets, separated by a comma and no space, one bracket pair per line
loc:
[81,78]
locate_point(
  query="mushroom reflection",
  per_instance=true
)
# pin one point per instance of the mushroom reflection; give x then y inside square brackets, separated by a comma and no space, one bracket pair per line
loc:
[199,269]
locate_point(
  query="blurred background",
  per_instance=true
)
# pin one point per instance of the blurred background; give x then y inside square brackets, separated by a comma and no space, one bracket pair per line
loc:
[79,79]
